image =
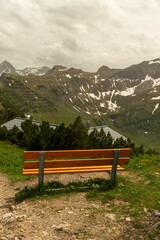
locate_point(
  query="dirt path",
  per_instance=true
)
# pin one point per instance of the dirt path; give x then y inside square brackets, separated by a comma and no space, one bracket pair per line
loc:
[64,218]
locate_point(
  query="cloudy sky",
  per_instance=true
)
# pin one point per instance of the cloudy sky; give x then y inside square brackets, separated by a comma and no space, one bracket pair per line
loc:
[79,33]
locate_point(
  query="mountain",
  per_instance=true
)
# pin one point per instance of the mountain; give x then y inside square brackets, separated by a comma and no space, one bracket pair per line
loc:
[125,99]
[6,67]
[38,71]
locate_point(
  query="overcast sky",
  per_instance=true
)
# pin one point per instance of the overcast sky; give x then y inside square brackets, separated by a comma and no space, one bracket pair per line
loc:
[79,33]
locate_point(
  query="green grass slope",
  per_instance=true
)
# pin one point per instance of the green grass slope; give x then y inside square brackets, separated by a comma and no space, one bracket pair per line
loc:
[137,122]
[11,161]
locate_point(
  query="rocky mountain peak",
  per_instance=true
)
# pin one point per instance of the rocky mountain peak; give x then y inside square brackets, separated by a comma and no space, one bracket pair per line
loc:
[6,67]
[58,68]
[75,71]
[103,68]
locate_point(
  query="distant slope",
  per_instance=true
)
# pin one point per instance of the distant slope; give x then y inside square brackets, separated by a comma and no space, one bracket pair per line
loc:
[128,99]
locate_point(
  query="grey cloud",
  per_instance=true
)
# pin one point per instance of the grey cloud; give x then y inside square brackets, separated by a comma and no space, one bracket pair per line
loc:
[83,34]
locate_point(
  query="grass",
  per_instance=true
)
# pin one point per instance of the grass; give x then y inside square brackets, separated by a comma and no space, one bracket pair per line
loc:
[11,161]
[55,189]
[62,114]
[135,193]
[141,191]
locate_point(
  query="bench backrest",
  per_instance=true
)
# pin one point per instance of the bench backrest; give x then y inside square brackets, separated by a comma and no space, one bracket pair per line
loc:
[75,158]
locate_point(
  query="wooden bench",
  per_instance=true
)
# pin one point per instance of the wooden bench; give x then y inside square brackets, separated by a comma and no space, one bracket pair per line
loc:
[75,161]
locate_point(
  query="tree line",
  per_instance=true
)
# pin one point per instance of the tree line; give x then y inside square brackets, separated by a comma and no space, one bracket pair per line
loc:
[75,136]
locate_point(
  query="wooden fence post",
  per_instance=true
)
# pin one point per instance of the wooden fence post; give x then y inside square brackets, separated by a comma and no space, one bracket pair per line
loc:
[114,168]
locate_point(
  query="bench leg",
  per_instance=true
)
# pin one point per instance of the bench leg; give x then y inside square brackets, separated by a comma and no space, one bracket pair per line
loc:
[41,169]
[114,168]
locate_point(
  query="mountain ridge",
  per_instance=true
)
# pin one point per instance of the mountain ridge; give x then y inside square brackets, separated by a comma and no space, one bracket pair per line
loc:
[6,67]
[105,96]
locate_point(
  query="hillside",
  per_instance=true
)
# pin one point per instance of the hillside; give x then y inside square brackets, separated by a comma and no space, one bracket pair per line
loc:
[130,211]
[126,99]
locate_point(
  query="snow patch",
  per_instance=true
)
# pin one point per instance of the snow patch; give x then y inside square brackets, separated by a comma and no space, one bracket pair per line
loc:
[92,95]
[95,77]
[81,99]
[127,92]
[75,108]
[155,108]
[146,132]
[112,106]
[156,98]
[68,76]
[130,91]
[10,84]
[156,82]
[102,80]
[105,93]
[26,81]
[153,62]
[71,100]
[88,112]
[97,113]
[82,88]
[102,105]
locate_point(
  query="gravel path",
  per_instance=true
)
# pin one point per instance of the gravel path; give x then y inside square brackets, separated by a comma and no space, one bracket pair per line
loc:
[64,218]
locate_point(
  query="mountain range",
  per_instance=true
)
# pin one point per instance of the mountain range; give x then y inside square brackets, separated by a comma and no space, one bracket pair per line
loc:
[6,67]
[125,99]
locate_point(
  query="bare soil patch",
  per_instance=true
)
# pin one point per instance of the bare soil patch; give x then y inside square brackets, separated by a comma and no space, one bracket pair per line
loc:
[64,218]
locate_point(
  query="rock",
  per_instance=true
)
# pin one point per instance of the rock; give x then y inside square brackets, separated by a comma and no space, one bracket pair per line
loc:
[54,225]
[111,216]
[12,207]
[148,182]
[63,226]
[128,219]
[70,212]
[10,236]
[20,218]
[145,210]
[45,233]
[9,217]
[157,213]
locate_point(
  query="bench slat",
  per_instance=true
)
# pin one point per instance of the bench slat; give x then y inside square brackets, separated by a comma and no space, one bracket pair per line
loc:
[76,153]
[75,163]
[72,170]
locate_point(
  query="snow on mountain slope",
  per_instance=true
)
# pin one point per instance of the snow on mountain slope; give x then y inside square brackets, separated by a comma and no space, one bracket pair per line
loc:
[6,67]
[107,90]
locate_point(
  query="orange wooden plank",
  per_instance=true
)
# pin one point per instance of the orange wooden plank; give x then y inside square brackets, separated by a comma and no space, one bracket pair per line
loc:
[107,169]
[70,168]
[76,153]
[74,163]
